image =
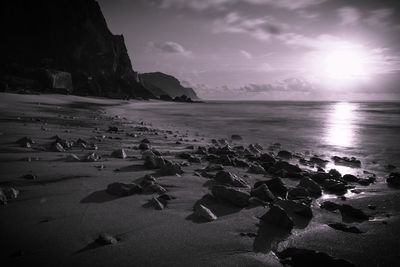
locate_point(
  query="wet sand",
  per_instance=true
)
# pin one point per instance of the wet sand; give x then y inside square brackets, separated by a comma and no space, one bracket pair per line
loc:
[58,216]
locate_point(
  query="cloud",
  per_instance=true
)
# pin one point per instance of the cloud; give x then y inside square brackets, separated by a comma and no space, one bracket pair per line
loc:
[246,54]
[378,17]
[201,5]
[169,48]
[286,85]
[261,28]
[349,15]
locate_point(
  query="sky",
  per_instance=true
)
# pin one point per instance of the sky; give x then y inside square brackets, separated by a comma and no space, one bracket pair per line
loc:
[266,49]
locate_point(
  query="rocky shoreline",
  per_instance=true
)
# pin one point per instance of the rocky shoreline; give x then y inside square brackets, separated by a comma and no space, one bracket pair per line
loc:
[278,195]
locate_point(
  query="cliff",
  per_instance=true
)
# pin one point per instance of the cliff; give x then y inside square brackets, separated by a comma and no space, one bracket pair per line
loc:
[64,36]
[160,84]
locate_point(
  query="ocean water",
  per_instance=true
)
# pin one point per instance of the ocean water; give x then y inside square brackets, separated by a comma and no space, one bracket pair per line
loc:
[366,130]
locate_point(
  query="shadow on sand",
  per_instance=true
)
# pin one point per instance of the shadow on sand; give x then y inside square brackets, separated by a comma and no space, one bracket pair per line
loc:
[100,196]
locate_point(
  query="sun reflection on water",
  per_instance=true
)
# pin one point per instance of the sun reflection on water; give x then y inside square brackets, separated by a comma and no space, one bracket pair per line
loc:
[341,125]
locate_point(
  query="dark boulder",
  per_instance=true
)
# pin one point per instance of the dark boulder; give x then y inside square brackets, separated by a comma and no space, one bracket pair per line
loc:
[119,153]
[345,228]
[275,185]
[350,178]
[232,195]
[298,193]
[229,178]
[394,179]
[313,188]
[278,217]
[285,154]
[122,190]
[262,192]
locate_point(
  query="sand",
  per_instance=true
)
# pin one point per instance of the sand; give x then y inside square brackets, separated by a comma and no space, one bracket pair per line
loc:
[58,216]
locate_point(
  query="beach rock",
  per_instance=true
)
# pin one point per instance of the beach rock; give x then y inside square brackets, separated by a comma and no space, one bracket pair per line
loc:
[170,168]
[225,160]
[156,204]
[10,192]
[335,174]
[313,188]
[72,158]
[329,205]
[297,207]
[349,212]
[284,154]
[265,157]
[318,161]
[214,167]
[57,147]
[145,141]
[394,179]
[345,228]
[240,163]
[3,198]
[232,195]
[320,177]
[25,142]
[253,149]
[289,168]
[203,212]
[297,257]
[228,178]
[350,178]
[144,146]
[91,157]
[29,176]
[275,185]
[154,162]
[256,169]
[262,192]
[335,187]
[113,129]
[277,217]
[350,162]
[119,153]
[147,180]
[122,190]
[298,193]
[154,188]
[236,137]
[106,239]
[194,159]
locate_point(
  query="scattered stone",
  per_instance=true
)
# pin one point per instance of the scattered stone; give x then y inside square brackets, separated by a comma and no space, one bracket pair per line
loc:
[72,158]
[289,168]
[122,190]
[155,203]
[234,196]
[329,205]
[204,213]
[3,197]
[335,187]
[345,228]
[154,188]
[256,169]
[106,239]
[228,178]
[119,153]
[265,157]
[57,147]
[91,157]
[350,178]
[335,174]
[394,179]
[352,213]
[318,161]
[313,188]
[262,192]
[154,162]
[298,193]
[297,257]
[144,146]
[145,141]
[371,207]
[350,162]
[275,185]
[25,142]
[236,137]
[10,192]
[285,154]
[170,168]
[113,129]
[240,163]
[277,217]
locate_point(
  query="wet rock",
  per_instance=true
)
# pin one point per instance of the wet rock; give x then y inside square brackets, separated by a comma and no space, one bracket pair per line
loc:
[313,188]
[214,167]
[236,137]
[154,188]
[256,169]
[25,142]
[225,160]
[394,179]
[298,193]
[119,153]
[318,161]
[335,174]
[320,177]
[203,212]
[335,187]
[147,180]
[289,168]
[145,141]
[170,168]
[296,257]
[350,178]
[284,154]
[241,163]
[262,192]
[275,185]
[329,205]
[122,190]
[299,208]
[232,195]
[91,157]
[351,162]
[144,146]
[194,159]
[57,147]
[228,178]
[354,214]
[345,228]
[106,239]
[253,149]
[277,217]
[265,157]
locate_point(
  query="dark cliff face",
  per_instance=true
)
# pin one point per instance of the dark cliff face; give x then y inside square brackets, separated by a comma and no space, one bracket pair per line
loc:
[158,82]
[66,35]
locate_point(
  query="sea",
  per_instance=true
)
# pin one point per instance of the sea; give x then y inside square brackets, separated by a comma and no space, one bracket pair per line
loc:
[369,131]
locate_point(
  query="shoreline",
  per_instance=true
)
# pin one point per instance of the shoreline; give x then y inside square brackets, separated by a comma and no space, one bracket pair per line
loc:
[57,217]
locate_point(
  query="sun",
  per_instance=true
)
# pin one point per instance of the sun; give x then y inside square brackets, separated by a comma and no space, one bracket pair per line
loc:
[341,65]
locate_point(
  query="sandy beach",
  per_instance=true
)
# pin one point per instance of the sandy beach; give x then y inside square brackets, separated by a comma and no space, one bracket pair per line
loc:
[64,215]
